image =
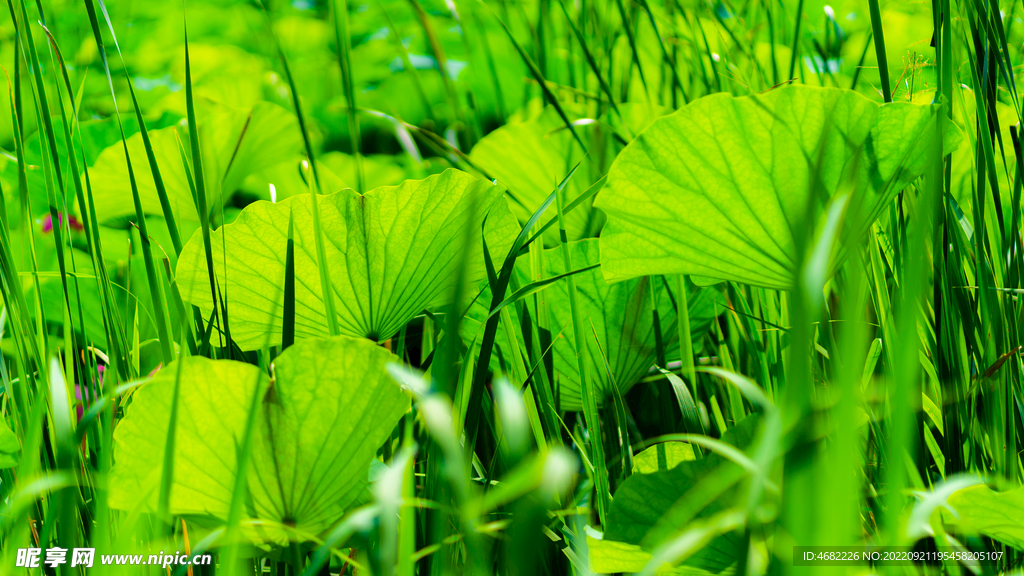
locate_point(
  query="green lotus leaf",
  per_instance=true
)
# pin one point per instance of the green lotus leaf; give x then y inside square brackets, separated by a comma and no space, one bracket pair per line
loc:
[235,144]
[392,253]
[213,405]
[621,315]
[981,510]
[717,188]
[530,159]
[221,73]
[320,421]
[611,557]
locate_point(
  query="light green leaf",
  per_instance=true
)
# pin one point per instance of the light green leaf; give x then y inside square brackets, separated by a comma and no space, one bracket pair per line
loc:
[620,314]
[235,144]
[662,456]
[97,135]
[981,510]
[334,405]
[214,400]
[318,427]
[717,188]
[337,171]
[221,73]
[381,170]
[529,159]
[244,141]
[10,447]
[392,253]
[610,557]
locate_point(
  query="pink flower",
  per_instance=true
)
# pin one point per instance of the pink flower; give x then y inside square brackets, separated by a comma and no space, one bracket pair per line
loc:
[79,407]
[100,369]
[72,221]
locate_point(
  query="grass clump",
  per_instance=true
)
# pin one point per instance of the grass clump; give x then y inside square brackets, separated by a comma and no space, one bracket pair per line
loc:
[429,288]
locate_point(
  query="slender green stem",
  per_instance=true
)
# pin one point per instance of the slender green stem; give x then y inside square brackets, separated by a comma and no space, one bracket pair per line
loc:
[883,66]
[590,400]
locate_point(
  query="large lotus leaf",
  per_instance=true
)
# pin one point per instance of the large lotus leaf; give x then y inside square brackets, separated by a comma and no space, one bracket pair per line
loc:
[112,188]
[319,423]
[391,253]
[213,406]
[221,73]
[621,315]
[718,188]
[530,159]
[235,143]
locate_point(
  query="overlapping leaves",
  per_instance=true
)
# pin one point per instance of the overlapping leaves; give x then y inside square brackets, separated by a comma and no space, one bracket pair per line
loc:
[530,158]
[236,143]
[319,423]
[618,318]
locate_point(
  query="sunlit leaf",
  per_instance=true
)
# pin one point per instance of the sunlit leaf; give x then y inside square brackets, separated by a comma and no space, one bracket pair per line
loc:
[662,456]
[980,510]
[392,253]
[530,159]
[319,423]
[719,188]
[611,557]
[235,144]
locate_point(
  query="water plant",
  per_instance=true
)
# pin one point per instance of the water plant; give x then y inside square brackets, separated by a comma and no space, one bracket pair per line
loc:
[408,287]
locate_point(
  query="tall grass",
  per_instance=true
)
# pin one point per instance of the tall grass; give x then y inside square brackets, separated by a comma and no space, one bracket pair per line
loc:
[873,389]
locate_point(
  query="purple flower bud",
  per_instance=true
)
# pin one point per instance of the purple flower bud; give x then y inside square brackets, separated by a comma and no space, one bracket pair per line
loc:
[79,406]
[73,222]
